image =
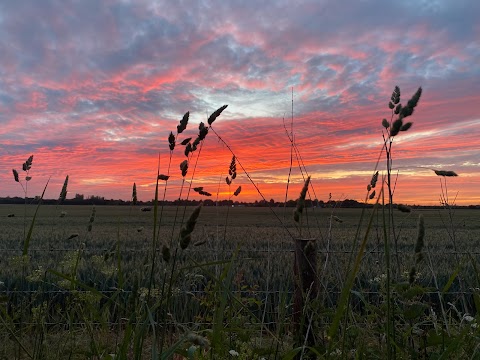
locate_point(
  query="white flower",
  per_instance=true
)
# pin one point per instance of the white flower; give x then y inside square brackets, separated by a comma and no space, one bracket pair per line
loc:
[380,278]
[337,352]
[233,353]
[468,318]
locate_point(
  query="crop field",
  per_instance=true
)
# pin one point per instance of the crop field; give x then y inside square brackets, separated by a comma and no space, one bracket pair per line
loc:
[249,251]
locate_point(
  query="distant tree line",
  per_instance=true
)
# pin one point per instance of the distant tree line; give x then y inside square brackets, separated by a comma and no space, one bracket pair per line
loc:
[80,199]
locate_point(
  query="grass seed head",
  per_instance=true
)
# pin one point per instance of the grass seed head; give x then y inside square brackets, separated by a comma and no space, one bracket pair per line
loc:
[237,192]
[171,141]
[396,126]
[373,181]
[216,114]
[185,241]
[201,192]
[303,193]
[415,98]
[163,177]
[134,194]
[183,123]
[395,95]
[188,149]
[28,164]
[202,131]
[15,175]
[385,123]
[406,111]
[301,201]
[232,171]
[445,173]
[398,109]
[187,229]
[184,167]
[63,193]
[411,104]
[186,141]
[196,142]
[406,126]
[420,235]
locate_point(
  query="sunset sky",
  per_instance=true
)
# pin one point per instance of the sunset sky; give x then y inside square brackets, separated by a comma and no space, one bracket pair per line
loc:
[93,88]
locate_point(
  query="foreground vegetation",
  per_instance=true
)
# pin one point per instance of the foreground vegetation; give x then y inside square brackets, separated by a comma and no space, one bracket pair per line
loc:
[199,282]
[259,259]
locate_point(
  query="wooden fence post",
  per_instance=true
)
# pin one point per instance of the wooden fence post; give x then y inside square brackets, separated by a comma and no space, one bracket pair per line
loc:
[306,290]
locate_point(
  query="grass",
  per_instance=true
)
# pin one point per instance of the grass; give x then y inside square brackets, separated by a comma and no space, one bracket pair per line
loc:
[118,283]
[262,256]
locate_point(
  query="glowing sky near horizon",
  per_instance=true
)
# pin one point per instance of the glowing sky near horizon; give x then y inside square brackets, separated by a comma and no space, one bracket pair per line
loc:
[93,88]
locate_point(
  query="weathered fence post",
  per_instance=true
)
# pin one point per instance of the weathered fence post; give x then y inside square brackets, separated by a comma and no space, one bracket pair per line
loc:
[306,290]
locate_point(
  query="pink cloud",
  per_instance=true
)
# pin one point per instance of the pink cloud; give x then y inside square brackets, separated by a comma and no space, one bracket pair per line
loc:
[97,100]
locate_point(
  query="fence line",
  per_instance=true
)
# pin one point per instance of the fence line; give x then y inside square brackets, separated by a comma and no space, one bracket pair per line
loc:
[202,250]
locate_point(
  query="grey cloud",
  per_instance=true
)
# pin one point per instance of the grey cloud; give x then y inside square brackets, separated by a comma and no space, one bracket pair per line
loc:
[146,40]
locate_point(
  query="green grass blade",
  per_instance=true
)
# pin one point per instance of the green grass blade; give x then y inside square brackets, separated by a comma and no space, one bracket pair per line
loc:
[26,243]
[119,260]
[154,340]
[342,305]
[168,354]
[12,333]
[475,267]
[451,279]
[386,237]
[123,348]
[154,238]
[233,298]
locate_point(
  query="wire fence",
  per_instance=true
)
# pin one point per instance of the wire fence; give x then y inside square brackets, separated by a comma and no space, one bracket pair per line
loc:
[267,271]
[259,256]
